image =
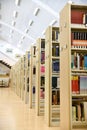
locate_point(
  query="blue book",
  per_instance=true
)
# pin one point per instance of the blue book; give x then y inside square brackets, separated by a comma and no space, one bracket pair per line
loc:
[83,84]
[85,61]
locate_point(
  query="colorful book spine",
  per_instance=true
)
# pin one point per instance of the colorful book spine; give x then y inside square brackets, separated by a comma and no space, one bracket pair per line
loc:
[85,61]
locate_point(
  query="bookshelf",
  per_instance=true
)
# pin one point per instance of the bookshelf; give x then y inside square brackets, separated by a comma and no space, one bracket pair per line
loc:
[23,77]
[40,76]
[32,77]
[27,63]
[73,67]
[52,77]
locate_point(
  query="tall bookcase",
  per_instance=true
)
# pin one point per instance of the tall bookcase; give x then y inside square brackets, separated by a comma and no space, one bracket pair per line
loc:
[32,77]
[73,66]
[27,63]
[52,76]
[40,76]
[23,77]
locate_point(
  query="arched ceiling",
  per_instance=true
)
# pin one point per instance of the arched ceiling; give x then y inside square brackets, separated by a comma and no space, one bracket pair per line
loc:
[20,26]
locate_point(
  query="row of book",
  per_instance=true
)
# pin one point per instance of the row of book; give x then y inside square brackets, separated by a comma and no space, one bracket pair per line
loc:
[42,69]
[43,44]
[79,84]
[55,50]
[42,81]
[56,97]
[78,112]
[42,57]
[78,61]
[55,34]
[55,82]
[79,35]
[55,66]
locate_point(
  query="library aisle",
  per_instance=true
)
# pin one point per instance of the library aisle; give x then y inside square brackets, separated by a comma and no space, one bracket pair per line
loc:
[15,115]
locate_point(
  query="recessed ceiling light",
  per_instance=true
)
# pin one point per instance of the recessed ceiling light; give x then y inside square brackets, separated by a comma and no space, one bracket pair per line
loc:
[13,23]
[30,22]
[15,13]
[11,31]
[43,33]
[36,11]
[53,22]
[23,37]
[17,2]
[27,30]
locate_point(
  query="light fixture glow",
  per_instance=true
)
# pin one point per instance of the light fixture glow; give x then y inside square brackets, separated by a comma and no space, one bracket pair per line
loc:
[53,22]
[13,23]
[15,13]
[30,22]
[36,11]
[17,2]
[27,30]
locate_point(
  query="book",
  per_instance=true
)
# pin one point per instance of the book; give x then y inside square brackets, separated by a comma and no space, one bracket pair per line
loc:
[85,61]
[73,113]
[56,97]
[34,70]
[75,84]
[33,89]
[55,66]
[42,43]
[42,69]
[42,81]
[83,84]
[42,93]
[42,56]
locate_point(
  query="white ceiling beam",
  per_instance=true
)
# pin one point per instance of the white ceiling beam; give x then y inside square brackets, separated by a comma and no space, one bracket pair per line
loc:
[17,30]
[46,7]
[6,56]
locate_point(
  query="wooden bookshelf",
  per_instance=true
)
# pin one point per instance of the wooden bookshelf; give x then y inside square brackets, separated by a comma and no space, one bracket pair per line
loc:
[52,68]
[40,76]
[32,77]
[27,63]
[73,69]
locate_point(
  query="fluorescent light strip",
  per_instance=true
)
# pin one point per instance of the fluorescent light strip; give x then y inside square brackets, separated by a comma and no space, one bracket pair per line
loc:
[53,22]
[23,37]
[15,13]
[27,30]
[43,33]
[17,2]
[13,23]
[11,31]
[30,22]
[36,11]
[46,7]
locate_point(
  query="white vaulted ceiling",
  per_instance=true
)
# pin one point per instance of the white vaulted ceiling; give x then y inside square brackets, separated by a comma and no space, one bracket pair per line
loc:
[19,27]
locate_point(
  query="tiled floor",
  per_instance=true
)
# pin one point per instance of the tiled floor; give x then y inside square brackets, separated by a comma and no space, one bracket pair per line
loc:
[15,115]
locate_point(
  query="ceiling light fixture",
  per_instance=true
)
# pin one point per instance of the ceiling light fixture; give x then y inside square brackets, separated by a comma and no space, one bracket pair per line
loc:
[27,30]
[11,31]
[17,2]
[30,22]
[36,11]
[23,37]
[13,23]
[15,13]
[53,22]
[43,33]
